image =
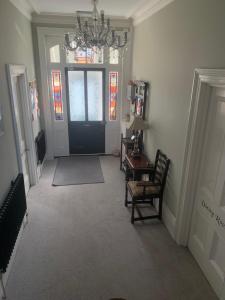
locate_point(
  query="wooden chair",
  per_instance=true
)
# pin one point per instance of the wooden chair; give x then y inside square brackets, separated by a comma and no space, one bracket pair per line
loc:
[146,191]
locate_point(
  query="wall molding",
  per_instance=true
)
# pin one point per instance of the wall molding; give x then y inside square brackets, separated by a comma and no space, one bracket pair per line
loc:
[139,13]
[68,19]
[147,9]
[26,7]
[34,6]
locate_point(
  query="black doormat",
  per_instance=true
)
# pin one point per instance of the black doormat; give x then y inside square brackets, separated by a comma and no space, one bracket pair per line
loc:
[74,170]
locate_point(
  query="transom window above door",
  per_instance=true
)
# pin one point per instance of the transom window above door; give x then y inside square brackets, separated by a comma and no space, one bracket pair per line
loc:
[93,56]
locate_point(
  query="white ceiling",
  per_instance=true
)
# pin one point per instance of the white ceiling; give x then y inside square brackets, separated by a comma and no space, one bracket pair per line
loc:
[123,8]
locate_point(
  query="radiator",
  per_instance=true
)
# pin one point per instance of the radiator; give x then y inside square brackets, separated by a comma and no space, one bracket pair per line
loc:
[40,146]
[12,213]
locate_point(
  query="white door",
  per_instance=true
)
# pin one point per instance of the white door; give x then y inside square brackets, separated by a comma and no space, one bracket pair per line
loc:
[19,114]
[207,236]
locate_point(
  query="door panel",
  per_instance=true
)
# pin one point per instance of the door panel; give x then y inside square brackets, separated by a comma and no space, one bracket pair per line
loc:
[86,126]
[86,138]
[21,133]
[95,96]
[207,237]
[76,96]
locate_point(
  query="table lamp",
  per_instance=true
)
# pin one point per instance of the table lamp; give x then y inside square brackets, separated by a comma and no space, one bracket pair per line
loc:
[137,125]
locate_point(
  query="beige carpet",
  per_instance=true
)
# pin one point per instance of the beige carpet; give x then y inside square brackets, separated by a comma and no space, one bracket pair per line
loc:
[79,245]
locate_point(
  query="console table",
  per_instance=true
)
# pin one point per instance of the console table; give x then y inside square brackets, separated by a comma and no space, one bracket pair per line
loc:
[128,145]
[138,166]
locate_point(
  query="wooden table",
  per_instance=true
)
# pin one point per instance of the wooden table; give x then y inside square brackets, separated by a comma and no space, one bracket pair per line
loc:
[128,144]
[138,166]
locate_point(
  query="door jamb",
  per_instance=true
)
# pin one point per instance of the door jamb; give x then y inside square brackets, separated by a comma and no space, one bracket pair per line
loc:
[21,72]
[204,81]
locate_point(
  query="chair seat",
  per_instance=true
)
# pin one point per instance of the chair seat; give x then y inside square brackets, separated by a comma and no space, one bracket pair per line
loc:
[138,191]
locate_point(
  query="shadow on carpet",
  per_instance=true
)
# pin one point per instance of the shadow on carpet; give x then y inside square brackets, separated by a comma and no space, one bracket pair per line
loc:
[75,170]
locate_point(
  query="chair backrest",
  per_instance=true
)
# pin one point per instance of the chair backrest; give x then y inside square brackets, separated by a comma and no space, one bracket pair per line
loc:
[161,169]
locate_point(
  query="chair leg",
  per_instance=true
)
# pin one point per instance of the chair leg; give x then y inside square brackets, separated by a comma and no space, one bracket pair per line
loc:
[132,213]
[160,208]
[126,194]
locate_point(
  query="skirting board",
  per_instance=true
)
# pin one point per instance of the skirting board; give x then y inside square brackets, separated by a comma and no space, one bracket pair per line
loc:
[5,276]
[169,220]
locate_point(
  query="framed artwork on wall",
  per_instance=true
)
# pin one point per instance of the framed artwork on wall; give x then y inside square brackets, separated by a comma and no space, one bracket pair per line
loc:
[141,89]
[1,121]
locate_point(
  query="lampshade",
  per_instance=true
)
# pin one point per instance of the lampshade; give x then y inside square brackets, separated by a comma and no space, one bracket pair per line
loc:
[138,124]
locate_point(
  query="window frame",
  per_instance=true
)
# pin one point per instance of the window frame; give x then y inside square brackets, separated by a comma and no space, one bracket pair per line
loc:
[85,70]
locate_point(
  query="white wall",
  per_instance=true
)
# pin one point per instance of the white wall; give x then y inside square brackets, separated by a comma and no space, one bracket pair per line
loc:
[168,46]
[15,48]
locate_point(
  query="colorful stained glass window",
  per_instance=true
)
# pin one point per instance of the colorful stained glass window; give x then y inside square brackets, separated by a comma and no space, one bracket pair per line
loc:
[57,95]
[88,56]
[113,95]
[113,56]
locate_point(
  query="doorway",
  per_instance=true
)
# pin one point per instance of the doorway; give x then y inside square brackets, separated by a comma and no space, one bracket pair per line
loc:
[86,110]
[21,112]
[207,236]
[201,222]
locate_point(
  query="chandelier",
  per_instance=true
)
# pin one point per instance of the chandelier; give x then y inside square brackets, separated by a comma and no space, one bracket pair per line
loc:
[94,32]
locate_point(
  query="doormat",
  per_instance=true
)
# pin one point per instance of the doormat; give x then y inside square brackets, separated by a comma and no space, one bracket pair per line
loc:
[75,170]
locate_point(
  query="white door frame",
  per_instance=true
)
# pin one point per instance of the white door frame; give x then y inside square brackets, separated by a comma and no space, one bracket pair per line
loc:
[21,72]
[204,81]
[111,126]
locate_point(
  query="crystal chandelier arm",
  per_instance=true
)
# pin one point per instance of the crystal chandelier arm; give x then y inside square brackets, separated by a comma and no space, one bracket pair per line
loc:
[102,18]
[118,44]
[113,40]
[78,21]
[68,43]
[95,31]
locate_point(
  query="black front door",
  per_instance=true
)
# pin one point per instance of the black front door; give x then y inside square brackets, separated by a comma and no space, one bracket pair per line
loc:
[86,110]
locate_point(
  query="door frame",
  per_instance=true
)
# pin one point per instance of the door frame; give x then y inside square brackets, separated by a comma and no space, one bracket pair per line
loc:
[112,128]
[204,81]
[20,71]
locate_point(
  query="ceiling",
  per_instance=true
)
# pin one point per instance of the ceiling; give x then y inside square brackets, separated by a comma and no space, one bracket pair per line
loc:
[122,8]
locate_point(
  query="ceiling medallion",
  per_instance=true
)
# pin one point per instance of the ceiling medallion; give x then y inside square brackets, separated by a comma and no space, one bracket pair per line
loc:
[93,31]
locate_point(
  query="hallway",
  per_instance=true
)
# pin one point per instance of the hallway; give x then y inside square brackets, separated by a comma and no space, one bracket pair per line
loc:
[79,244]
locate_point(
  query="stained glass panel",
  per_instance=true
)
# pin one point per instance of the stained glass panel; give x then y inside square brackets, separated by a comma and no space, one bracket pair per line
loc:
[88,56]
[113,95]
[57,95]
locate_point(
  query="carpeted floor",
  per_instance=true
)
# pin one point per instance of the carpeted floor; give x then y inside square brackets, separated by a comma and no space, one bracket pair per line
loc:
[79,245]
